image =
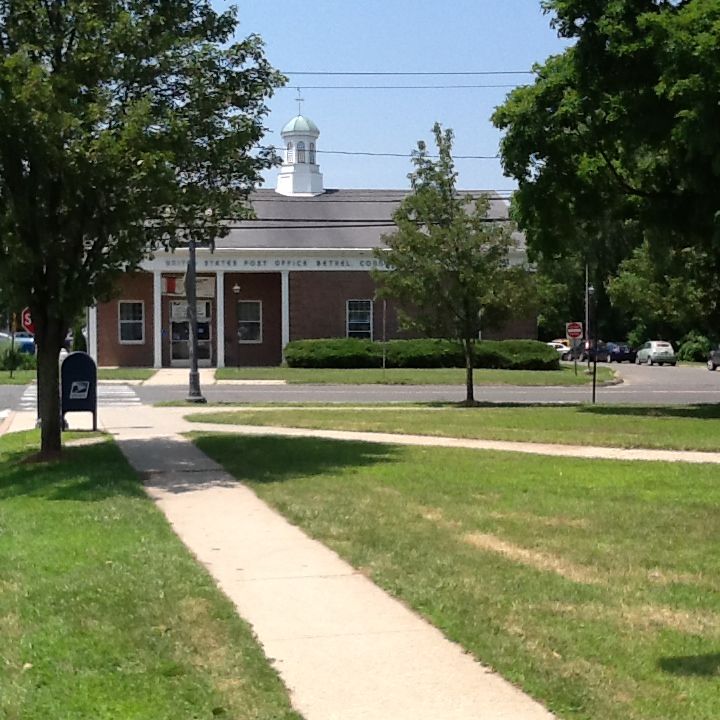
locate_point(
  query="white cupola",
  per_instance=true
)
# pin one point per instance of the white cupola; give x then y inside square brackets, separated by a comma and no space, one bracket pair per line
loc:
[300,174]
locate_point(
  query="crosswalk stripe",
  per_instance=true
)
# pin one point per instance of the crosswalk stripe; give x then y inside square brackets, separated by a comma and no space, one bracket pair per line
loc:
[108,396]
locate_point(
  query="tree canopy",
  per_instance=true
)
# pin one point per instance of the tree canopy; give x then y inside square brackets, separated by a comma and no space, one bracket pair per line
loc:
[111,113]
[617,141]
[449,262]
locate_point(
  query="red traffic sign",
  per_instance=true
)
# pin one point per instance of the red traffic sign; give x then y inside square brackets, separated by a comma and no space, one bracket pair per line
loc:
[574,330]
[26,320]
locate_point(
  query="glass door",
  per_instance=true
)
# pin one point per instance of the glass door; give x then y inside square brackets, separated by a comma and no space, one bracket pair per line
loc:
[180,333]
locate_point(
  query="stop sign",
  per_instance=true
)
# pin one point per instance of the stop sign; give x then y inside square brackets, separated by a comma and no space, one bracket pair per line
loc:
[574,330]
[26,320]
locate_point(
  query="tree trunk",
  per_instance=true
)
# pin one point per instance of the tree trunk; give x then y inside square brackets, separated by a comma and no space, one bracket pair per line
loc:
[469,386]
[49,341]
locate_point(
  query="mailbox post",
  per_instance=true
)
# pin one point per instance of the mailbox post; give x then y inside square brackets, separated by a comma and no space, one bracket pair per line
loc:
[78,386]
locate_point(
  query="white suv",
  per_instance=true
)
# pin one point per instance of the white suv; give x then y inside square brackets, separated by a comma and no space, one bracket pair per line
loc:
[656,351]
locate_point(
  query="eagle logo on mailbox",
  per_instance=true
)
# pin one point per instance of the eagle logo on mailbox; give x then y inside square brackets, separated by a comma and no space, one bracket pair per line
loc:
[79,390]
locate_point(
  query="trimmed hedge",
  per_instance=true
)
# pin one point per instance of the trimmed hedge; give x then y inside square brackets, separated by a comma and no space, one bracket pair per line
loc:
[354,353]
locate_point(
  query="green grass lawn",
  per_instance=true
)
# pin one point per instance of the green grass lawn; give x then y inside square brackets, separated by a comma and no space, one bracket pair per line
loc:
[671,427]
[19,377]
[429,376]
[23,377]
[593,585]
[104,615]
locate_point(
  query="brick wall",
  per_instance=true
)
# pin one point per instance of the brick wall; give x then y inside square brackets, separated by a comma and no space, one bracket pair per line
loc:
[318,302]
[136,286]
[253,286]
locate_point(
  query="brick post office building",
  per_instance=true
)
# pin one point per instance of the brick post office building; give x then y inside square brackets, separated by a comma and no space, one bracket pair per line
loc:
[302,269]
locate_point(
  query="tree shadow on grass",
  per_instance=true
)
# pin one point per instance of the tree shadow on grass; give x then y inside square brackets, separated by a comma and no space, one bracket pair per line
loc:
[692,665]
[89,473]
[267,459]
[697,411]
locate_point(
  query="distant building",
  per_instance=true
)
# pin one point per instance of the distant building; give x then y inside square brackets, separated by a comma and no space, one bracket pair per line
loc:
[300,270]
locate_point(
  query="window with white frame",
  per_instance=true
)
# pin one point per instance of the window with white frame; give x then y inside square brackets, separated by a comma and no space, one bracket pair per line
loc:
[312,153]
[290,156]
[359,319]
[249,315]
[131,322]
[301,152]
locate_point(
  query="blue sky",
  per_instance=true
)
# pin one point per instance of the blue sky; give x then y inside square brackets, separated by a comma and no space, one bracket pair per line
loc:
[400,36]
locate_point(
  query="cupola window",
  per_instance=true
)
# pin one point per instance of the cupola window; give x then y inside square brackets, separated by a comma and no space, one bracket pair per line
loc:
[312,153]
[290,158]
[301,152]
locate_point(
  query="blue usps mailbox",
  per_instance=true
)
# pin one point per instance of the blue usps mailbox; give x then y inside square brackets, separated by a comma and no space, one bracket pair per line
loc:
[78,385]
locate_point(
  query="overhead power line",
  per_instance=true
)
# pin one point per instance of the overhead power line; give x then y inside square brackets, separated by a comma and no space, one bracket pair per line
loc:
[401,87]
[409,74]
[404,155]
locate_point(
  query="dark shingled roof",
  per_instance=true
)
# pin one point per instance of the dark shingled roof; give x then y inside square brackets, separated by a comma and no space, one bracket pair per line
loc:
[337,219]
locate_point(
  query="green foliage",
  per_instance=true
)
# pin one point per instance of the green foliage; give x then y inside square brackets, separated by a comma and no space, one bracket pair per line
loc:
[13,359]
[422,353]
[449,262]
[333,353]
[616,143]
[124,125]
[658,302]
[694,348]
[78,339]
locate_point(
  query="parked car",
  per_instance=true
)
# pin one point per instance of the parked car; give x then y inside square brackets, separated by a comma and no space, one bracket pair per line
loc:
[24,341]
[563,350]
[617,352]
[713,362]
[656,351]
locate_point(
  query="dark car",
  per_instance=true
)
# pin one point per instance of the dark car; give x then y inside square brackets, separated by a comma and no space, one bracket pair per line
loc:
[609,352]
[618,352]
[713,362]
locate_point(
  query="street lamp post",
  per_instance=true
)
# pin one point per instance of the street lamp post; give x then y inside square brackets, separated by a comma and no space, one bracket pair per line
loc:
[194,394]
[594,335]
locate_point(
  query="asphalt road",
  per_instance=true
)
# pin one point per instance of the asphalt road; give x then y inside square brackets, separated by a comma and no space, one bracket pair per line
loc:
[642,385]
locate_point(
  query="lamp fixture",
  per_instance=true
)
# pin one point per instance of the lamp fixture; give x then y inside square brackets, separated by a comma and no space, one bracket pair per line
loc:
[236,288]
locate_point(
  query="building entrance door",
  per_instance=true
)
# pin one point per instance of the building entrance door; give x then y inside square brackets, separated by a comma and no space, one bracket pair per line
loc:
[180,333]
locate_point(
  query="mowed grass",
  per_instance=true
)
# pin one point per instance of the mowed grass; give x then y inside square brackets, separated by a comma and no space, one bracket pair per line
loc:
[103,612]
[593,585]
[670,427]
[421,376]
[24,377]
[19,377]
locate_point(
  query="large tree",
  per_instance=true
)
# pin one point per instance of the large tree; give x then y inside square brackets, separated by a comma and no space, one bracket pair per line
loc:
[616,142]
[449,262]
[123,124]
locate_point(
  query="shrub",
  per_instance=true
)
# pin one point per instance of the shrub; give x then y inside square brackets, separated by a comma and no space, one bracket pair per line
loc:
[694,348]
[333,353]
[15,360]
[423,353]
[78,340]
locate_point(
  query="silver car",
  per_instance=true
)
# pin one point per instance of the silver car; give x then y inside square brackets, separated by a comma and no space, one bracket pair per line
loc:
[656,351]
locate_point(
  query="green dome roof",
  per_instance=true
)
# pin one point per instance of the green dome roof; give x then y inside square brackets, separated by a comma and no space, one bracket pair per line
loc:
[301,124]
